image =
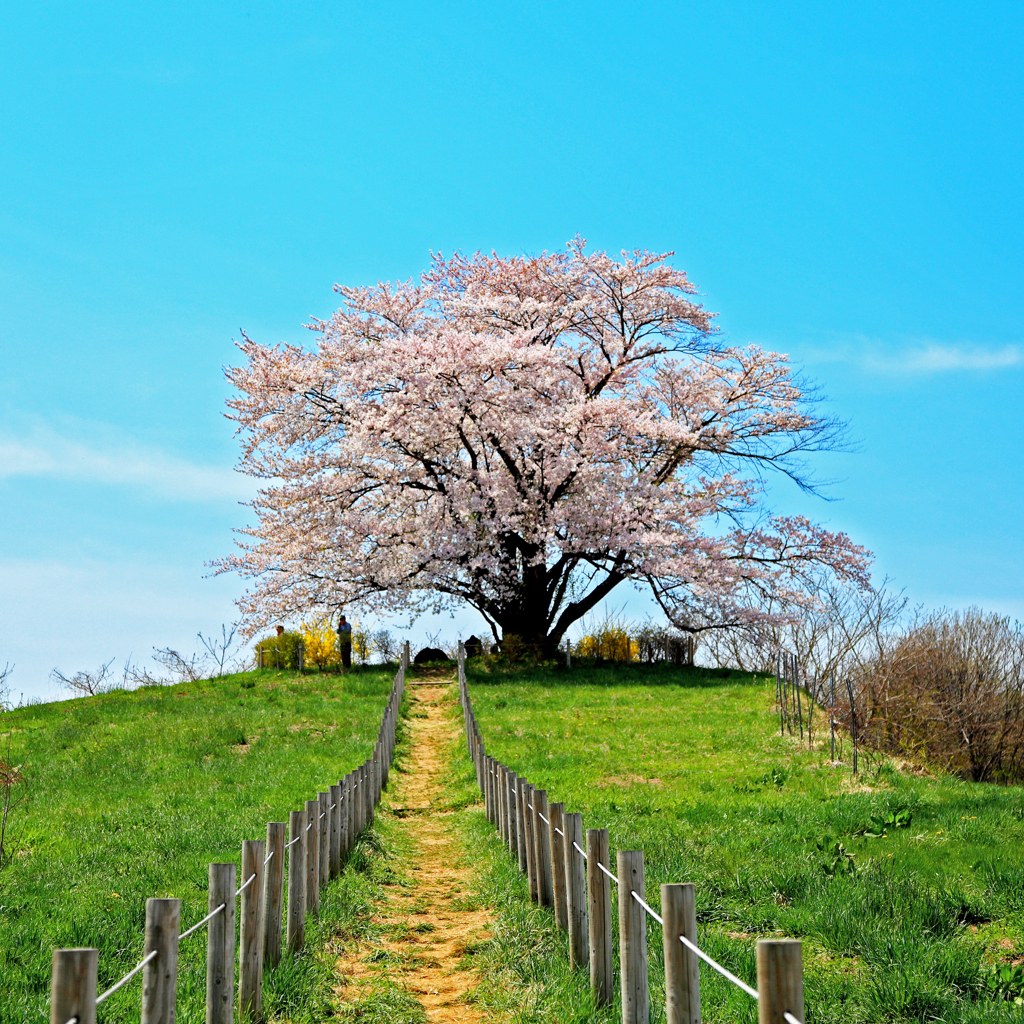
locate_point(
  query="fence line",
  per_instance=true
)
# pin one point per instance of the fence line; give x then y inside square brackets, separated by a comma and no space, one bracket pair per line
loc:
[73,998]
[582,894]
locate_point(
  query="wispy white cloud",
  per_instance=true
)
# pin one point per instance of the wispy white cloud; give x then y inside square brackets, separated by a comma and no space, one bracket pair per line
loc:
[42,451]
[917,358]
[935,358]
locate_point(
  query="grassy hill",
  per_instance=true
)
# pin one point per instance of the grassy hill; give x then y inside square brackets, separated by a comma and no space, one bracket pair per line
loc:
[689,766]
[132,794]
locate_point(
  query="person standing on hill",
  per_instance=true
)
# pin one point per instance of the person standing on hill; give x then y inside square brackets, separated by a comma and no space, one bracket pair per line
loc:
[345,642]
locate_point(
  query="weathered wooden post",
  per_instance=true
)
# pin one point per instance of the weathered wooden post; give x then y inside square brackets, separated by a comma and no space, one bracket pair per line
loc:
[73,985]
[220,946]
[296,880]
[160,975]
[682,977]
[632,939]
[556,837]
[520,827]
[324,819]
[780,980]
[599,905]
[334,817]
[500,799]
[530,819]
[312,857]
[511,785]
[343,821]
[273,891]
[542,847]
[250,932]
[575,889]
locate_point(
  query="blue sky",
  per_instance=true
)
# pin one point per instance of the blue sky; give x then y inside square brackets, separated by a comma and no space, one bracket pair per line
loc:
[842,182]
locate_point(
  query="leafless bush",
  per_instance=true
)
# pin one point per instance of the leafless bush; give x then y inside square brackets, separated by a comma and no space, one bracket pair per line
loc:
[220,649]
[185,670]
[843,629]
[5,689]
[950,689]
[85,684]
[385,645]
[10,776]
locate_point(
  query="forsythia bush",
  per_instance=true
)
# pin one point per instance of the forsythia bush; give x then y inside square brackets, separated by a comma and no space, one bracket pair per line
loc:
[321,642]
[610,643]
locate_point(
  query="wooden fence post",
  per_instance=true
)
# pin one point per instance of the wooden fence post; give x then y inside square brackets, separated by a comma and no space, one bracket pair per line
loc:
[250,932]
[296,880]
[510,785]
[520,826]
[632,939]
[324,820]
[542,848]
[160,975]
[531,820]
[575,890]
[73,985]
[273,892]
[312,857]
[347,822]
[501,779]
[556,837]
[599,905]
[780,980]
[368,801]
[334,817]
[220,946]
[682,977]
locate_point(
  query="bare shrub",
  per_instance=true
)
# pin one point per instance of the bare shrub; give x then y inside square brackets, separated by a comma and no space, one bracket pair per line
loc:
[950,689]
[10,776]
[5,689]
[840,631]
[85,684]
[185,670]
[385,645]
[220,649]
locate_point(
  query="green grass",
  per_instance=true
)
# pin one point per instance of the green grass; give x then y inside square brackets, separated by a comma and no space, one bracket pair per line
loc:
[132,794]
[689,767]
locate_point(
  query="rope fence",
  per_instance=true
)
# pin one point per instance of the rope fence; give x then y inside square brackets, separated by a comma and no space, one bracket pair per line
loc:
[575,881]
[262,909]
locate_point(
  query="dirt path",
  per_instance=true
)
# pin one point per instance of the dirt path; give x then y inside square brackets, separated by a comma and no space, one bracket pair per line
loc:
[427,923]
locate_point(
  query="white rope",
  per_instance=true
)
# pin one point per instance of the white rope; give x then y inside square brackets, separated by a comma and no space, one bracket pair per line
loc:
[310,825]
[790,1019]
[643,903]
[209,917]
[608,873]
[542,818]
[266,860]
[294,841]
[128,977]
[322,816]
[560,832]
[580,848]
[752,992]
[238,892]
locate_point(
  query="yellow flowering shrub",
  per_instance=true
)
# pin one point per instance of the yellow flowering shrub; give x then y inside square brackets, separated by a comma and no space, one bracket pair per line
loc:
[612,643]
[321,643]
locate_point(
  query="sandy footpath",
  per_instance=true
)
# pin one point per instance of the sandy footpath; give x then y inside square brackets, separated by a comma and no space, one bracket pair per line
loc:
[426,924]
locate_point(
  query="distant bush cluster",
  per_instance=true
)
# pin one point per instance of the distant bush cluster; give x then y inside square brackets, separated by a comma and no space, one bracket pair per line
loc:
[950,689]
[318,641]
[943,686]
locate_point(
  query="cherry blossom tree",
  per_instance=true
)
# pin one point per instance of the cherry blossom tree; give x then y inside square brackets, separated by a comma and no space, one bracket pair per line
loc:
[524,435]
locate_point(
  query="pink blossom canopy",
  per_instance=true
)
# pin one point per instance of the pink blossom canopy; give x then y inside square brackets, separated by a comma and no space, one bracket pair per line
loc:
[524,434]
